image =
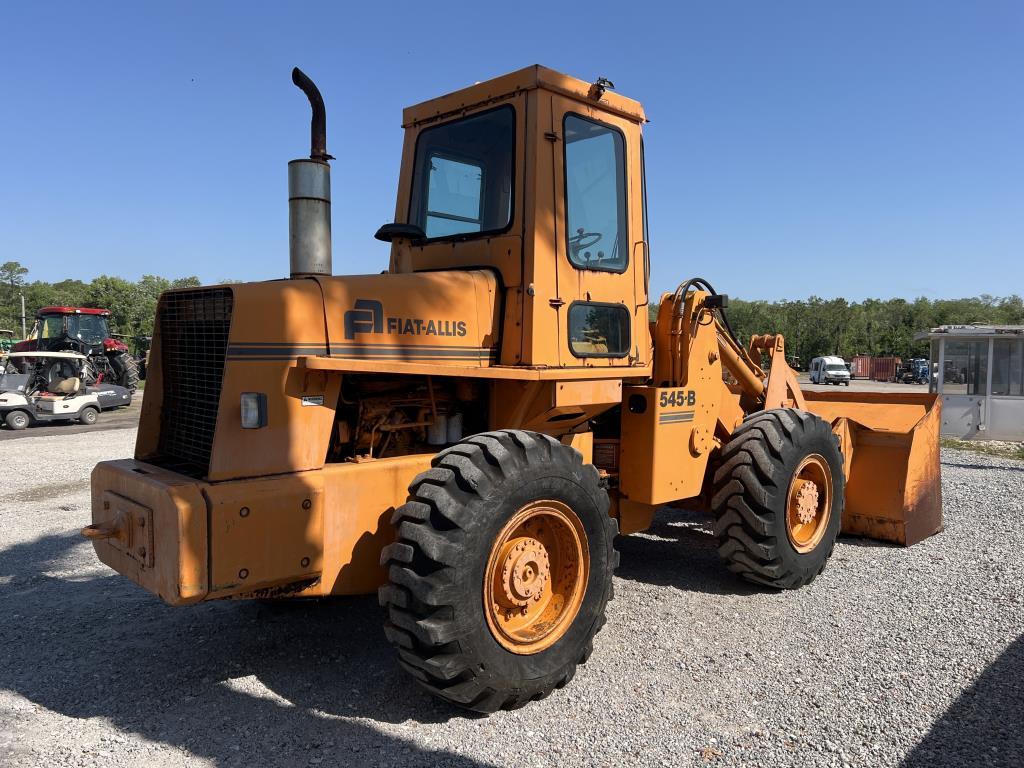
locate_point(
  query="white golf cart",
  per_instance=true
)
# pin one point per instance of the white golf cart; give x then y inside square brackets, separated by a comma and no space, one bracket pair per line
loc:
[50,389]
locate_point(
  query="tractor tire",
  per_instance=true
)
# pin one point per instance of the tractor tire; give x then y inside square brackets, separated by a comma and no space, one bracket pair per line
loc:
[778,498]
[501,570]
[127,370]
[88,415]
[18,420]
[89,373]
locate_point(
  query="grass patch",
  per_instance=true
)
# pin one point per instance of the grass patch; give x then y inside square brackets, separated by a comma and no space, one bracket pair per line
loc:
[989,448]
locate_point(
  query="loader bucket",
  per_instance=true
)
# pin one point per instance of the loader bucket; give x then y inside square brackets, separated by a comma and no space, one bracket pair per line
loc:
[890,444]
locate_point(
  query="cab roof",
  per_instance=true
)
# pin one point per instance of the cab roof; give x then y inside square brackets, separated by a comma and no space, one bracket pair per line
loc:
[526,79]
[71,311]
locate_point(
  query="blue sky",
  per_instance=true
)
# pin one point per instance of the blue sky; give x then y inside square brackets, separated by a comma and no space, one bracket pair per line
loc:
[858,149]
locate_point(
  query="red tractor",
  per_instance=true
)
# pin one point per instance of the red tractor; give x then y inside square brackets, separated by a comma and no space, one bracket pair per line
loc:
[87,331]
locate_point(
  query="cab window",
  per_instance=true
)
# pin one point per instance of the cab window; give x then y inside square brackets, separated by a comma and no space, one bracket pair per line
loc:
[51,327]
[595,195]
[598,330]
[91,329]
[463,178]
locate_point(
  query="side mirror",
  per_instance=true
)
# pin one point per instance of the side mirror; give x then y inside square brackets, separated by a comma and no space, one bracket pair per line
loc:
[390,232]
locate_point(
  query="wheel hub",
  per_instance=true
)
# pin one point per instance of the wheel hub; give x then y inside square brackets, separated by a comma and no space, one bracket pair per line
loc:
[806,501]
[525,571]
[809,506]
[536,576]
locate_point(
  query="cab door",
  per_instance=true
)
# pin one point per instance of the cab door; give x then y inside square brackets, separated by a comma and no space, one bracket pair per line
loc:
[601,295]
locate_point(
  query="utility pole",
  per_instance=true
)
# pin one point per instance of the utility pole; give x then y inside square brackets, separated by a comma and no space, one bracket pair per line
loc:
[23,333]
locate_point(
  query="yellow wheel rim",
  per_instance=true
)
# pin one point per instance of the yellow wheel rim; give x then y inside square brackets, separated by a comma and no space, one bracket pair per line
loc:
[809,505]
[536,577]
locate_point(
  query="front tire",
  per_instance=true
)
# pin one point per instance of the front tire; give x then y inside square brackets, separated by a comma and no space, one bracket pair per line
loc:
[501,571]
[18,420]
[778,498]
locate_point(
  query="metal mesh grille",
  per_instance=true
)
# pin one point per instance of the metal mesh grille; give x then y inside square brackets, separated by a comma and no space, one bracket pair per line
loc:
[193,329]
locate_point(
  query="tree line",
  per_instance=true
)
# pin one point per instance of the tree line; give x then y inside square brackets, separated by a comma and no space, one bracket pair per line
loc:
[816,326]
[132,305]
[812,327]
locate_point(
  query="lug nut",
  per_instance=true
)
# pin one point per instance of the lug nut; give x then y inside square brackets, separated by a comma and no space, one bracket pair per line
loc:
[307,504]
[244,573]
[244,512]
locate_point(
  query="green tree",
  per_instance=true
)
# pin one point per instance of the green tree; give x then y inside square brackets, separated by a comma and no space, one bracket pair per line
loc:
[12,277]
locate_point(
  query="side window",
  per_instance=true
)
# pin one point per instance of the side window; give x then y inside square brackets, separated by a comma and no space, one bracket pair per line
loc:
[966,368]
[463,175]
[1008,367]
[453,197]
[598,330]
[595,195]
[51,327]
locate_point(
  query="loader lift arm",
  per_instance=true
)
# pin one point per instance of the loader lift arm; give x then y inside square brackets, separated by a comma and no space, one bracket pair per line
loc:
[695,310]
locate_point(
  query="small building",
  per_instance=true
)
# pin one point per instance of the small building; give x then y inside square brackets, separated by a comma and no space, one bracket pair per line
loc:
[979,371]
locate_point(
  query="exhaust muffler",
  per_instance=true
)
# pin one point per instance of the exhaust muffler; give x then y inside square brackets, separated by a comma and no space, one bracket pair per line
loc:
[309,193]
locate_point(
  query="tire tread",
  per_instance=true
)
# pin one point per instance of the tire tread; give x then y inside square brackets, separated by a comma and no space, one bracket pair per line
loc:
[420,597]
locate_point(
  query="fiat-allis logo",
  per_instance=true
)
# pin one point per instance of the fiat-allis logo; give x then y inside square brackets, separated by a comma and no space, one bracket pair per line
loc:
[368,317]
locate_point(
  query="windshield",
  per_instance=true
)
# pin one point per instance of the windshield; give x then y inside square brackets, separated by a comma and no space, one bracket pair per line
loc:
[463,175]
[91,329]
[835,367]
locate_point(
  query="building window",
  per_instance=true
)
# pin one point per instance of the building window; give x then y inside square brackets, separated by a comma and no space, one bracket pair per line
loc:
[595,195]
[598,330]
[464,170]
[1007,367]
[966,368]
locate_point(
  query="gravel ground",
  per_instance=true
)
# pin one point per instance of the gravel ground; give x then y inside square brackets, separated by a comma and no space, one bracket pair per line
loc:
[912,657]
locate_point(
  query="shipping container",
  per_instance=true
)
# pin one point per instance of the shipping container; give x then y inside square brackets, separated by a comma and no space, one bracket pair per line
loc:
[884,368]
[860,367]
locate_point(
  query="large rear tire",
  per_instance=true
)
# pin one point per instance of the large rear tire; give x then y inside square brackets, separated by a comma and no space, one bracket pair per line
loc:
[778,498]
[127,370]
[501,571]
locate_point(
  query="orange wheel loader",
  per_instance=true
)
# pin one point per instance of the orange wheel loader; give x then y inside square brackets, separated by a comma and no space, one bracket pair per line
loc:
[466,433]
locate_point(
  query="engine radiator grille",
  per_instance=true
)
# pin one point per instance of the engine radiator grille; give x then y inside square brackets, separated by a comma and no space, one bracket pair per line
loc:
[193,327]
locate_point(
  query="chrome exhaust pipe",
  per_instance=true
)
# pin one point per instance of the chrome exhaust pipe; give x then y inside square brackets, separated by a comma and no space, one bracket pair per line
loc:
[309,193]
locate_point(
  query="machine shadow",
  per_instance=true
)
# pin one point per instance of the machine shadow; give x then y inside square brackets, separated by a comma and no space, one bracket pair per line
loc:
[236,683]
[1000,468]
[678,550]
[983,726]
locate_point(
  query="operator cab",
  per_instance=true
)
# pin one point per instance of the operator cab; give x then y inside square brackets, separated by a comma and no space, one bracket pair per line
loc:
[539,177]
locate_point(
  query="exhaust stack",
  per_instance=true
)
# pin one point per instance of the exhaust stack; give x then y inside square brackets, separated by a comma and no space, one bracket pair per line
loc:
[309,193]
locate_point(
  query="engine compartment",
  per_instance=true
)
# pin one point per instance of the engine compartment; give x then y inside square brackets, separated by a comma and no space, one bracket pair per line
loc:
[383,416]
